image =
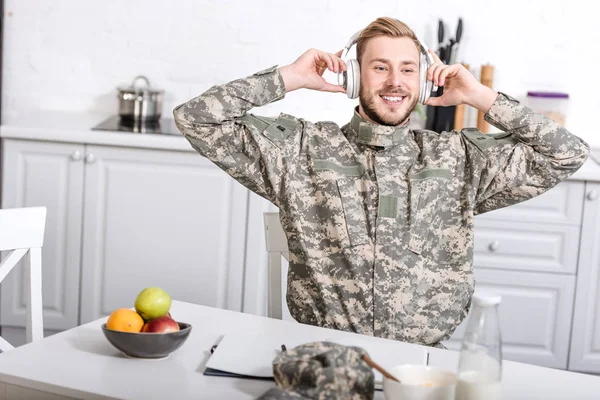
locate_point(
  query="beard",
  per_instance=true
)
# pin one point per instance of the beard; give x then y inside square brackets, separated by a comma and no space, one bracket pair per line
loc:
[369,106]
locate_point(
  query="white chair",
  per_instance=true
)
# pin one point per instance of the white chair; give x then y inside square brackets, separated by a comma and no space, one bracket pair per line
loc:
[22,232]
[277,247]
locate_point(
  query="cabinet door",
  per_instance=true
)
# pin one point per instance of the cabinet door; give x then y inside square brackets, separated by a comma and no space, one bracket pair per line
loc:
[160,218]
[535,315]
[49,175]
[510,245]
[585,339]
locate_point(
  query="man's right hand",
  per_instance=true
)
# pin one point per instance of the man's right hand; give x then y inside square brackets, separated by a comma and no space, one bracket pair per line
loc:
[307,71]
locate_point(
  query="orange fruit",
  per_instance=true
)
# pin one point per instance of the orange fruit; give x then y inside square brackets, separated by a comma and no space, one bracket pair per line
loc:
[126,320]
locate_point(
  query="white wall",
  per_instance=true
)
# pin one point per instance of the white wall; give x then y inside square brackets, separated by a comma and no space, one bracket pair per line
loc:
[71,54]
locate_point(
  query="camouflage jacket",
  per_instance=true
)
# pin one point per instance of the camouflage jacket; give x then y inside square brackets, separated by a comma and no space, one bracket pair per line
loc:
[379,219]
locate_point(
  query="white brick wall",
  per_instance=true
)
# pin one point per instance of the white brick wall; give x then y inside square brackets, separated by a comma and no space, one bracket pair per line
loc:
[71,54]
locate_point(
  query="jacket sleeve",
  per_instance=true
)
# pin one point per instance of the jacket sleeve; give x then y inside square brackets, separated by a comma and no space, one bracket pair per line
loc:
[532,155]
[247,147]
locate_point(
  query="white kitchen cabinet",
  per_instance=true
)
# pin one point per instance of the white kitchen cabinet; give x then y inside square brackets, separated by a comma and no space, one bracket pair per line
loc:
[585,338]
[121,219]
[160,218]
[50,175]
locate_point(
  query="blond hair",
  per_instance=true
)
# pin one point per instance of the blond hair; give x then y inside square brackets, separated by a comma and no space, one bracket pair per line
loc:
[384,26]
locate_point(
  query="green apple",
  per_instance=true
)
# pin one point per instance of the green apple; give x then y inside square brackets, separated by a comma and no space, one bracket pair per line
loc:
[152,302]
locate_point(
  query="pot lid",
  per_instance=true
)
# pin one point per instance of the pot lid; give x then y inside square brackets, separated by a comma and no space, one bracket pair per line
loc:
[140,84]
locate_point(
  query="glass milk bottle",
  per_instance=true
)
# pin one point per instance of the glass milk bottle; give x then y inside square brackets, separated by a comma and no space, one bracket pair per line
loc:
[480,365]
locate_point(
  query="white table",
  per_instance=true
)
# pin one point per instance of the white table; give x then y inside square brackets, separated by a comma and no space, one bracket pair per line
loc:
[80,363]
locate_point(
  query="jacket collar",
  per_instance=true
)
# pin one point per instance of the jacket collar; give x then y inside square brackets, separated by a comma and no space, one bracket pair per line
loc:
[372,134]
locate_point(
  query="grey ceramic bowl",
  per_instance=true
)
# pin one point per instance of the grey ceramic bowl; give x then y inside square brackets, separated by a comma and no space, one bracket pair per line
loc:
[147,345]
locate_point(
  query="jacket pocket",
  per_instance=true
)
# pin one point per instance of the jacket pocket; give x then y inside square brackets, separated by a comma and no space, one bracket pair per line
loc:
[428,189]
[331,206]
[354,212]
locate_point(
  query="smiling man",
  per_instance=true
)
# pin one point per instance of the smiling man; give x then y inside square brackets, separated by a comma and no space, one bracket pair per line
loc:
[379,217]
[389,90]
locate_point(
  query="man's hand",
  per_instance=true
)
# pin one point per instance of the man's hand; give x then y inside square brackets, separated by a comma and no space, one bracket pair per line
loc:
[307,71]
[460,87]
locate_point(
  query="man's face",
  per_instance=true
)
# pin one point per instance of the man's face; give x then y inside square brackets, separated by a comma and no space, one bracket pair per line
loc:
[389,80]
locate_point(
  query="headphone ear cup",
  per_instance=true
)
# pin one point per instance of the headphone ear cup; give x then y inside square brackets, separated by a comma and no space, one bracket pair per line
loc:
[427,91]
[352,79]
[423,87]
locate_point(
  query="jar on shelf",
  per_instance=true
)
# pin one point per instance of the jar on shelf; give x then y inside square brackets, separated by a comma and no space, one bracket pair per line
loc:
[553,105]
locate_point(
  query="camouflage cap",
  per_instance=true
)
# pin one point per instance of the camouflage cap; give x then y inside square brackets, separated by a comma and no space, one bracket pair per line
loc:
[322,370]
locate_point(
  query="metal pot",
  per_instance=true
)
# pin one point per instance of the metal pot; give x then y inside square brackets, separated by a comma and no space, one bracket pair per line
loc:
[140,103]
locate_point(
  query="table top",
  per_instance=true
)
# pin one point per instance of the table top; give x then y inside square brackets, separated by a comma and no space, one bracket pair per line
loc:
[81,363]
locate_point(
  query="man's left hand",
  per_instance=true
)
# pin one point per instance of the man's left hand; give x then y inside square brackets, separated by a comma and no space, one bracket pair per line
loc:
[460,87]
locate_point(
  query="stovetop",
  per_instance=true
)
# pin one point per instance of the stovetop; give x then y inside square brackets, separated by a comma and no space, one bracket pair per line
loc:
[164,126]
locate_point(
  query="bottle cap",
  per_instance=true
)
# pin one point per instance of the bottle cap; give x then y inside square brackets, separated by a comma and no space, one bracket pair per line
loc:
[486,299]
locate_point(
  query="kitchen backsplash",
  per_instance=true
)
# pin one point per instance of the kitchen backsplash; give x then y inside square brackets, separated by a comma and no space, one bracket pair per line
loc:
[72,54]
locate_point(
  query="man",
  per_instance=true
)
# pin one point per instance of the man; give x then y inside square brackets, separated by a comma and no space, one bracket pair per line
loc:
[379,217]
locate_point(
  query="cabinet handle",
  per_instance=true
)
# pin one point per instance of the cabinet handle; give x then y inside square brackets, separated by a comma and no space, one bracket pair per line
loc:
[90,158]
[76,156]
[592,195]
[494,246]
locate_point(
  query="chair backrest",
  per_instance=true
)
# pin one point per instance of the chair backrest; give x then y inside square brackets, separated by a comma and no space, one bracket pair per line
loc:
[22,232]
[22,228]
[276,243]
[275,236]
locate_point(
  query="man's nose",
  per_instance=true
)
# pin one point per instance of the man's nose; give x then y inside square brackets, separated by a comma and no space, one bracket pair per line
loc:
[395,78]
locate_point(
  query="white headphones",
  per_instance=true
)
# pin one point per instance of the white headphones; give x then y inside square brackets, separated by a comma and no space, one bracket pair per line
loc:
[350,79]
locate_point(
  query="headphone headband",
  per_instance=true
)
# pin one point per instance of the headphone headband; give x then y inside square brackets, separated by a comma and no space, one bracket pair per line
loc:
[350,79]
[354,39]
[351,43]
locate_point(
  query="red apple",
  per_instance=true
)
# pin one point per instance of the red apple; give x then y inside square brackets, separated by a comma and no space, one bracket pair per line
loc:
[162,324]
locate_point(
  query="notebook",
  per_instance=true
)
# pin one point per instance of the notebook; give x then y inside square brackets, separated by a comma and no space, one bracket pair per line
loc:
[250,355]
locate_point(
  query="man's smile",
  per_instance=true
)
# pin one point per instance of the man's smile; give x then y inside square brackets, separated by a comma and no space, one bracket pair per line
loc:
[393,99]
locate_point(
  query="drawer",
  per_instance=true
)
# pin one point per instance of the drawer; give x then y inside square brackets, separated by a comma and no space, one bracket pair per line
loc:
[526,246]
[562,204]
[535,315]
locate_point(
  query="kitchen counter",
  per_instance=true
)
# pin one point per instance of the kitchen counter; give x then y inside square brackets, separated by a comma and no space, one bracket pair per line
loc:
[77,128]
[56,126]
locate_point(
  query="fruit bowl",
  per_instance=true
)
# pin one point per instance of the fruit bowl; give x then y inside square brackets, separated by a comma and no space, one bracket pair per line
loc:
[147,345]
